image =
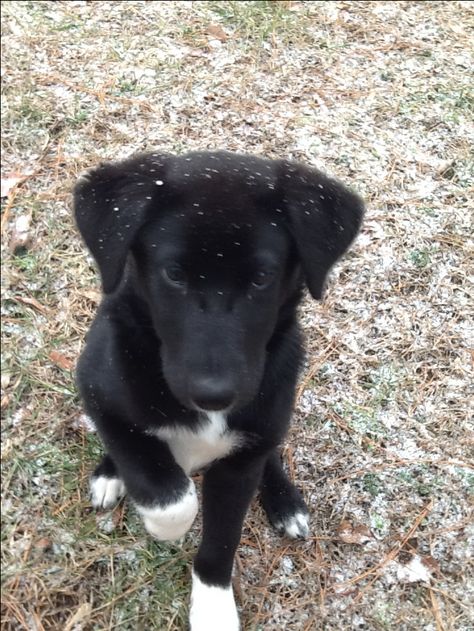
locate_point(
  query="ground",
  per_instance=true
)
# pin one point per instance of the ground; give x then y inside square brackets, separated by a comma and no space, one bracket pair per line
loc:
[376,93]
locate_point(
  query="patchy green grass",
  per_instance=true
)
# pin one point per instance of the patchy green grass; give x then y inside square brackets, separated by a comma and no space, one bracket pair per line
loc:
[379,94]
[257,22]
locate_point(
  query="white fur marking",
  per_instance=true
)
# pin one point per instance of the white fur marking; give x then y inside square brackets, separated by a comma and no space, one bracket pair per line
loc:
[194,449]
[212,608]
[296,526]
[106,492]
[171,522]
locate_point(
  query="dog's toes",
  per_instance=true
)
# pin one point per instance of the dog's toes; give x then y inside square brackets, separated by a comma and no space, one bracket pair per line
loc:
[106,492]
[295,526]
[286,510]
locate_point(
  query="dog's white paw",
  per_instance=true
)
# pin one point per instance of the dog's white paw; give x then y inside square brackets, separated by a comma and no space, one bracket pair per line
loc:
[171,522]
[295,526]
[106,492]
[212,608]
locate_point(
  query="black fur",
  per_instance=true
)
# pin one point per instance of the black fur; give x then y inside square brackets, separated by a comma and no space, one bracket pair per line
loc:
[203,260]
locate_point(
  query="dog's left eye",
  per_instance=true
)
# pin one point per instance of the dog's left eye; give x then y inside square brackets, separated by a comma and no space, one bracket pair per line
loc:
[263,279]
[174,275]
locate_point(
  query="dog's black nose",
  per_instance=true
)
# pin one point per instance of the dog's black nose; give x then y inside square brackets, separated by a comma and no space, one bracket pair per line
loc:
[212,393]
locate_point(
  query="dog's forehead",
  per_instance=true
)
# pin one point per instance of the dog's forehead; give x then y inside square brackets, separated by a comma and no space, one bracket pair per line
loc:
[224,212]
[212,237]
[225,233]
[220,168]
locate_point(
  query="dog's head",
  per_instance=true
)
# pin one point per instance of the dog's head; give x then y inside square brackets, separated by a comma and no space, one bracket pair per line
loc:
[220,245]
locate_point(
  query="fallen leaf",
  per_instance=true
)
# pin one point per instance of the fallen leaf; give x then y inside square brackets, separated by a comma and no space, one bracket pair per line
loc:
[61,360]
[8,182]
[32,302]
[431,564]
[117,515]
[21,238]
[348,533]
[217,32]
[6,378]
[79,617]
[92,295]
[418,570]
[342,590]
[43,544]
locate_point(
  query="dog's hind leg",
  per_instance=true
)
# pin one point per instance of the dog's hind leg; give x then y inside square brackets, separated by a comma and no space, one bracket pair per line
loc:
[107,489]
[281,500]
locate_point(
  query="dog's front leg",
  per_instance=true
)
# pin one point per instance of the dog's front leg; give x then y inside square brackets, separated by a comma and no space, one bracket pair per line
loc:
[228,488]
[163,494]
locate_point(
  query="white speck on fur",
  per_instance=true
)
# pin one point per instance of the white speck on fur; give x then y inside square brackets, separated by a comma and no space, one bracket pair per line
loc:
[159,182]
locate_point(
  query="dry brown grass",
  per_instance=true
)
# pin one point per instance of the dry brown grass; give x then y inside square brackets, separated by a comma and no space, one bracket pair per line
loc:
[377,93]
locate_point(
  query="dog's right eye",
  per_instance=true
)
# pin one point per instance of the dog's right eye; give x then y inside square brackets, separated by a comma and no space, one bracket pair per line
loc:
[174,275]
[263,279]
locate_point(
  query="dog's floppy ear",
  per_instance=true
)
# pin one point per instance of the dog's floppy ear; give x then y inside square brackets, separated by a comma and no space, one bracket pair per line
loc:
[323,217]
[111,203]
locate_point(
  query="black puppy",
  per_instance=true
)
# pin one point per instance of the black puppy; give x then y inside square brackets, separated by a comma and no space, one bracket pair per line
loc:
[193,357]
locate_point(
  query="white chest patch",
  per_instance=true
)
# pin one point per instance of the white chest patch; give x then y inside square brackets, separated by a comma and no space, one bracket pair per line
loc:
[194,449]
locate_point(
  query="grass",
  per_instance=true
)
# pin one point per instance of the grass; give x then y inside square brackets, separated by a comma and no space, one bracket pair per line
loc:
[259,21]
[378,94]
